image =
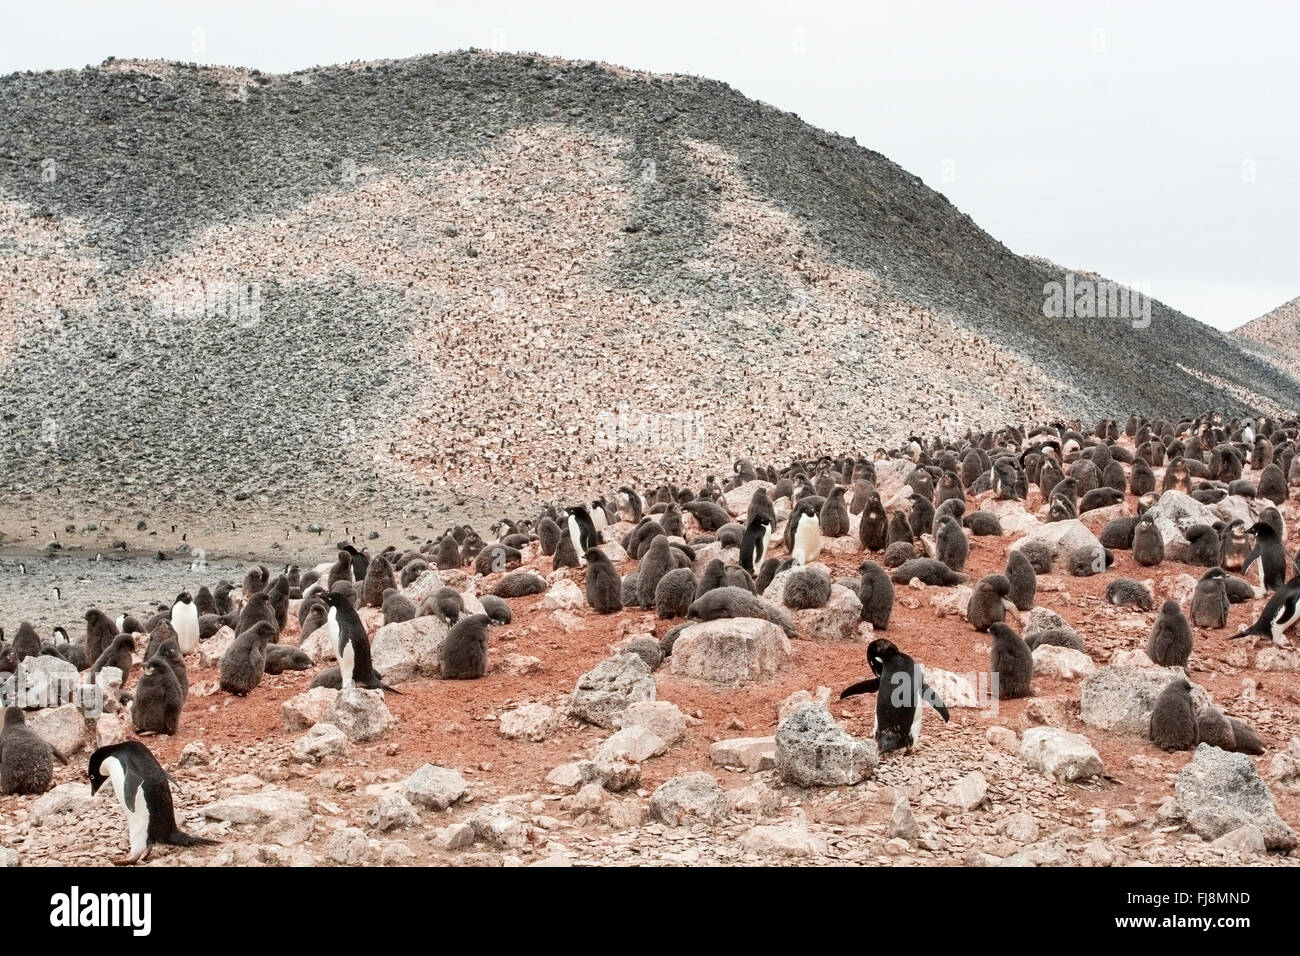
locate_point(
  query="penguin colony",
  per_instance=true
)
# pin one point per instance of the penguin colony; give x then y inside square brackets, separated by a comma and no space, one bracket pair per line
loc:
[690,559]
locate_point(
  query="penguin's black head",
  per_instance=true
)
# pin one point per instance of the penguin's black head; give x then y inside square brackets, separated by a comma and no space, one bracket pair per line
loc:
[14,717]
[1214,574]
[878,652]
[97,777]
[336,599]
[593,554]
[184,598]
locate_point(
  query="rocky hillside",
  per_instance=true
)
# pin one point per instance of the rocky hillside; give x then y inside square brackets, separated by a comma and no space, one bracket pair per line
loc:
[504,277]
[1276,335]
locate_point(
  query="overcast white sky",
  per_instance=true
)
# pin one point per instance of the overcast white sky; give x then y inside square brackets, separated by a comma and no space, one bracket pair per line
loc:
[1156,143]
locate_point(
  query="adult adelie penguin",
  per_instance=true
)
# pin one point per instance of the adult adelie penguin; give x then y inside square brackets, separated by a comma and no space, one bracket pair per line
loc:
[753,545]
[185,622]
[807,540]
[582,531]
[1279,615]
[351,645]
[1270,554]
[144,792]
[900,689]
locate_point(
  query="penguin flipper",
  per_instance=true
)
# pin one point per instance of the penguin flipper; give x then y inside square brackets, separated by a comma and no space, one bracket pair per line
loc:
[58,755]
[1252,631]
[131,783]
[869,686]
[931,697]
[1250,559]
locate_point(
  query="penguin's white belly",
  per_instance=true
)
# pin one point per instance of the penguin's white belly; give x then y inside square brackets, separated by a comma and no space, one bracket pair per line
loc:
[347,659]
[598,519]
[137,817]
[807,541]
[575,535]
[762,547]
[332,628]
[185,622]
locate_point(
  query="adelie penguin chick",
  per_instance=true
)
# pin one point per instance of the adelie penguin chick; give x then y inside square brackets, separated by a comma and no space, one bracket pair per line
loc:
[143,790]
[284,657]
[1012,661]
[100,631]
[951,545]
[1210,600]
[497,610]
[26,760]
[604,587]
[1279,615]
[26,642]
[397,607]
[1148,543]
[900,689]
[158,699]
[1024,582]
[464,650]
[990,602]
[566,555]
[120,654]
[927,570]
[1173,721]
[876,593]
[714,576]
[1125,592]
[807,588]
[766,573]
[873,526]
[1170,643]
[834,517]
[244,662]
[656,561]
[675,593]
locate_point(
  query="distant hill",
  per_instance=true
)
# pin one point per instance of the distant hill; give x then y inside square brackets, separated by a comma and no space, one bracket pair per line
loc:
[1276,335]
[506,277]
